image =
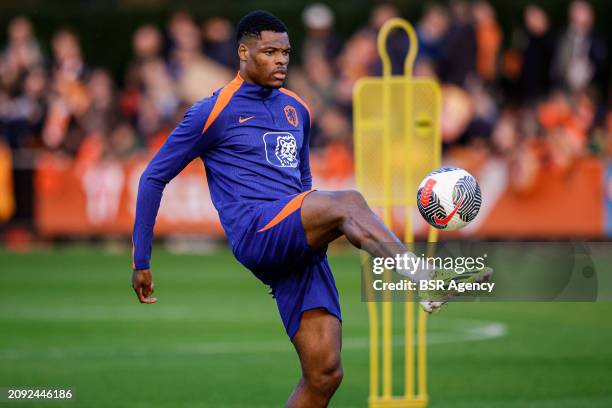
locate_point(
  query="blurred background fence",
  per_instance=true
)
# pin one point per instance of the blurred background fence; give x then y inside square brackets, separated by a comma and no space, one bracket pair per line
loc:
[90,90]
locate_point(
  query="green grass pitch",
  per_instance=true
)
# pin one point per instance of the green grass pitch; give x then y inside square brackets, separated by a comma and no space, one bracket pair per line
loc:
[69,319]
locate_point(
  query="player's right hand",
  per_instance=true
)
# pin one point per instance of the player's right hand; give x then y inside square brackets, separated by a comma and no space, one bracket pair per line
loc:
[142,282]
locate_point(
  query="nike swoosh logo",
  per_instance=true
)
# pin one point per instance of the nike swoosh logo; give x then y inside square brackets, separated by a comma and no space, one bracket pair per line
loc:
[445,220]
[242,120]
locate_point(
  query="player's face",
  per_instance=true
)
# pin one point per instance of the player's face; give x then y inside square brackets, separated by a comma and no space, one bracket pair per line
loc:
[264,60]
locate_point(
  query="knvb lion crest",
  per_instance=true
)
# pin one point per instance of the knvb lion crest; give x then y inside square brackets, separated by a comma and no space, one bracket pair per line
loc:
[281,149]
[286,151]
[291,115]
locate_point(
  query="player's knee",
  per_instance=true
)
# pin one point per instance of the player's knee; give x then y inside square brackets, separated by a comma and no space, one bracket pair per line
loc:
[346,206]
[352,205]
[352,199]
[326,380]
[336,376]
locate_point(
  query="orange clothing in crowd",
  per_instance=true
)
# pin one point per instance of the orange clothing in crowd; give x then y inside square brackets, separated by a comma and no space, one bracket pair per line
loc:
[335,160]
[7,200]
[488,38]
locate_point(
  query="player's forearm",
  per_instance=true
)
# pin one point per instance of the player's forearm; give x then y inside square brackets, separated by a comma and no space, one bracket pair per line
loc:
[150,191]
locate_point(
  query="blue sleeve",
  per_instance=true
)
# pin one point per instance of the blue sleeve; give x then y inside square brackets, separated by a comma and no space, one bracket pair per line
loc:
[184,144]
[305,156]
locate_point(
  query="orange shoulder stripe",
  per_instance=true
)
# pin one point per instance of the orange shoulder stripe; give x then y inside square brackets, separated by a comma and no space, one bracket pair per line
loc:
[297,98]
[222,100]
[288,209]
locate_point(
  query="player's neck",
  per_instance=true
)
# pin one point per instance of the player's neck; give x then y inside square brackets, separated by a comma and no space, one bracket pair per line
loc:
[252,88]
[246,78]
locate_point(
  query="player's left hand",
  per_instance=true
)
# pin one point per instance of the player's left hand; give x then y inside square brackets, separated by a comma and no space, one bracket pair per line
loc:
[142,282]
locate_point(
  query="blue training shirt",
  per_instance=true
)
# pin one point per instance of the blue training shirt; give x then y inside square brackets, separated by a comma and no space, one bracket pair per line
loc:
[254,144]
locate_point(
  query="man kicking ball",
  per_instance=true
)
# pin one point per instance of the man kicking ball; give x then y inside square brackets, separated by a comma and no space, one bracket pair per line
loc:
[253,135]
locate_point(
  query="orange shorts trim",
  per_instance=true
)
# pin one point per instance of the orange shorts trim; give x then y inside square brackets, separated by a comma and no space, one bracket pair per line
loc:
[288,209]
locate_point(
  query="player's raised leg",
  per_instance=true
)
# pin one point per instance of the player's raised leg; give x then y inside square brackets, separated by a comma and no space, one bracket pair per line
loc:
[318,342]
[327,215]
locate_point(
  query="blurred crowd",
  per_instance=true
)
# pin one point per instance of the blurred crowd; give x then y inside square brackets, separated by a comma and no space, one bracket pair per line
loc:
[539,99]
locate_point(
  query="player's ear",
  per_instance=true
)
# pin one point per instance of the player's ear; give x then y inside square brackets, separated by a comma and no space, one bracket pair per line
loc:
[243,52]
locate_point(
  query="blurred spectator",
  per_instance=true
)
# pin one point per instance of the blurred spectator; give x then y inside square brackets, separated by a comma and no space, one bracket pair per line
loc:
[185,43]
[68,62]
[320,39]
[147,43]
[488,39]
[397,41]
[159,101]
[102,112]
[581,57]
[336,136]
[534,79]
[23,89]
[68,98]
[122,141]
[461,47]
[146,46]
[22,116]
[381,14]
[524,165]
[356,60]
[431,31]
[23,85]
[219,42]
[505,136]
[197,76]
[485,112]
[457,113]
[21,55]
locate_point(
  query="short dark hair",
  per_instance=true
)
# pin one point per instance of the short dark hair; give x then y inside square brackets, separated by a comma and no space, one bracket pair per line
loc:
[257,21]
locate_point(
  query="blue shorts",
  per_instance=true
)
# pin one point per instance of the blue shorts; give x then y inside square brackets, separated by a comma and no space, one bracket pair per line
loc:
[275,249]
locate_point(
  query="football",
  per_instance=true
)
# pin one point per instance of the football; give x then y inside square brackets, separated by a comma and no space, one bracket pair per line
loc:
[449,198]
